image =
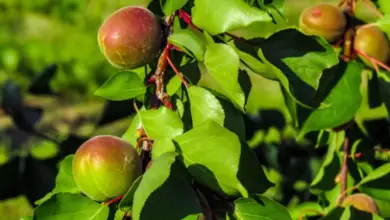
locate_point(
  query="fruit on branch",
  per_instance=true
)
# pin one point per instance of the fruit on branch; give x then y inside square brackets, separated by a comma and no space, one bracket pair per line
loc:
[105,167]
[130,37]
[361,202]
[325,20]
[372,41]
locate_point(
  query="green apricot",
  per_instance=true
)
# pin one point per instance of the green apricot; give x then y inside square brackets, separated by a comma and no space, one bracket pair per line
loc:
[325,20]
[372,41]
[361,202]
[130,37]
[105,167]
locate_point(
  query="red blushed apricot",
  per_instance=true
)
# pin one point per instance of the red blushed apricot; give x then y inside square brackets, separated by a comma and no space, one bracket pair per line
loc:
[372,41]
[325,20]
[105,167]
[130,37]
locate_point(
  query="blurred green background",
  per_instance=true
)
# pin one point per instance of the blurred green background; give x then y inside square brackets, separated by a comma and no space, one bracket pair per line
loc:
[38,33]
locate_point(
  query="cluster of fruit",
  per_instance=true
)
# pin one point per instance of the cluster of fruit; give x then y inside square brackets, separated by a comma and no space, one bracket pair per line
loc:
[105,167]
[335,24]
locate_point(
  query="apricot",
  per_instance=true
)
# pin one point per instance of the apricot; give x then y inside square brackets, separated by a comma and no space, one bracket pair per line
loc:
[130,37]
[372,41]
[105,167]
[325,20]
[361,202]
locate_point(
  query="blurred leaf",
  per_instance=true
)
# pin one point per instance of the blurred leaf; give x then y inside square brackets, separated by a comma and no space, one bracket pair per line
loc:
[375,183]
[221,16]
[44,150]
[121,86]
[64,206]
[260,207]
[330,168]
[164,181]
[41,84]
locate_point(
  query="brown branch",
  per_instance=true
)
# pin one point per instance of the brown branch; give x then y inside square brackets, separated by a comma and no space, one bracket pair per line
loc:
[344,171]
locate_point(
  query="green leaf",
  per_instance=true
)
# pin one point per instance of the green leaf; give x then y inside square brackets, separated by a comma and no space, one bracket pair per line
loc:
[330,168]
[204,106]
[375,184]
[216,158]
[64,181]
[259,207]
[161,123]
[121,86]
[130,134]
[222,63]
[190,41]
[162,146]
[127,201]
[173,85]
[164,192]
[296,211]
[63,206]
[346,90]
[384,87]
[296,60]
[220,16]
[170,6]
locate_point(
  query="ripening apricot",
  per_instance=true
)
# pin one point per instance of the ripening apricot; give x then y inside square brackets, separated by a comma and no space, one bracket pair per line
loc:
[130,37]
[105,167]
[325,20]
[372,41]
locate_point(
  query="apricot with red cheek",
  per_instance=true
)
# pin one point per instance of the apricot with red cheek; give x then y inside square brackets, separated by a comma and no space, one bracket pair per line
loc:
[325,20]
[130,37]
[105,167]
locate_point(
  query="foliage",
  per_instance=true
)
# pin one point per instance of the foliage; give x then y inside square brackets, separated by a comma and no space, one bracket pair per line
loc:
[242,116]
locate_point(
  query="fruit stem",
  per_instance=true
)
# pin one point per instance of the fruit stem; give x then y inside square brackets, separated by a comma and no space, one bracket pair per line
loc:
[113,200]
[187,18]
[176,71]
[344,194]
[374,61]
[344,171]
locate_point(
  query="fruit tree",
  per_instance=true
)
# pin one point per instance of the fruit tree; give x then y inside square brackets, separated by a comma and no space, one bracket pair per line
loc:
[198,72]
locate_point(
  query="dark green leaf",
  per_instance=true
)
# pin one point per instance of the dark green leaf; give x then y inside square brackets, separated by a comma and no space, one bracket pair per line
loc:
[330,168]
[127,201]
[217,159]
[64,180]
[220,16]
[376,184]
[161,123]
[164,192]
[121,86]
[346,90]
[63,206]
[259,207]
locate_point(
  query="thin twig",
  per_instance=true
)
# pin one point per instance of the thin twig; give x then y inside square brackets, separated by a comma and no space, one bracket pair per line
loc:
[113,200]
[344,171]
[373,60]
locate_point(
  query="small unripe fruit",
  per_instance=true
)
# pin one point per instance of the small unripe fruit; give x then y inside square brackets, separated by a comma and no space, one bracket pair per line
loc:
[105,167]
[372,41]
[325,20]
[130,37]
[361,202]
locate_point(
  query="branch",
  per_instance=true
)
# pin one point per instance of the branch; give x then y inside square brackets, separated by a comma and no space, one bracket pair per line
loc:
[344,171]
